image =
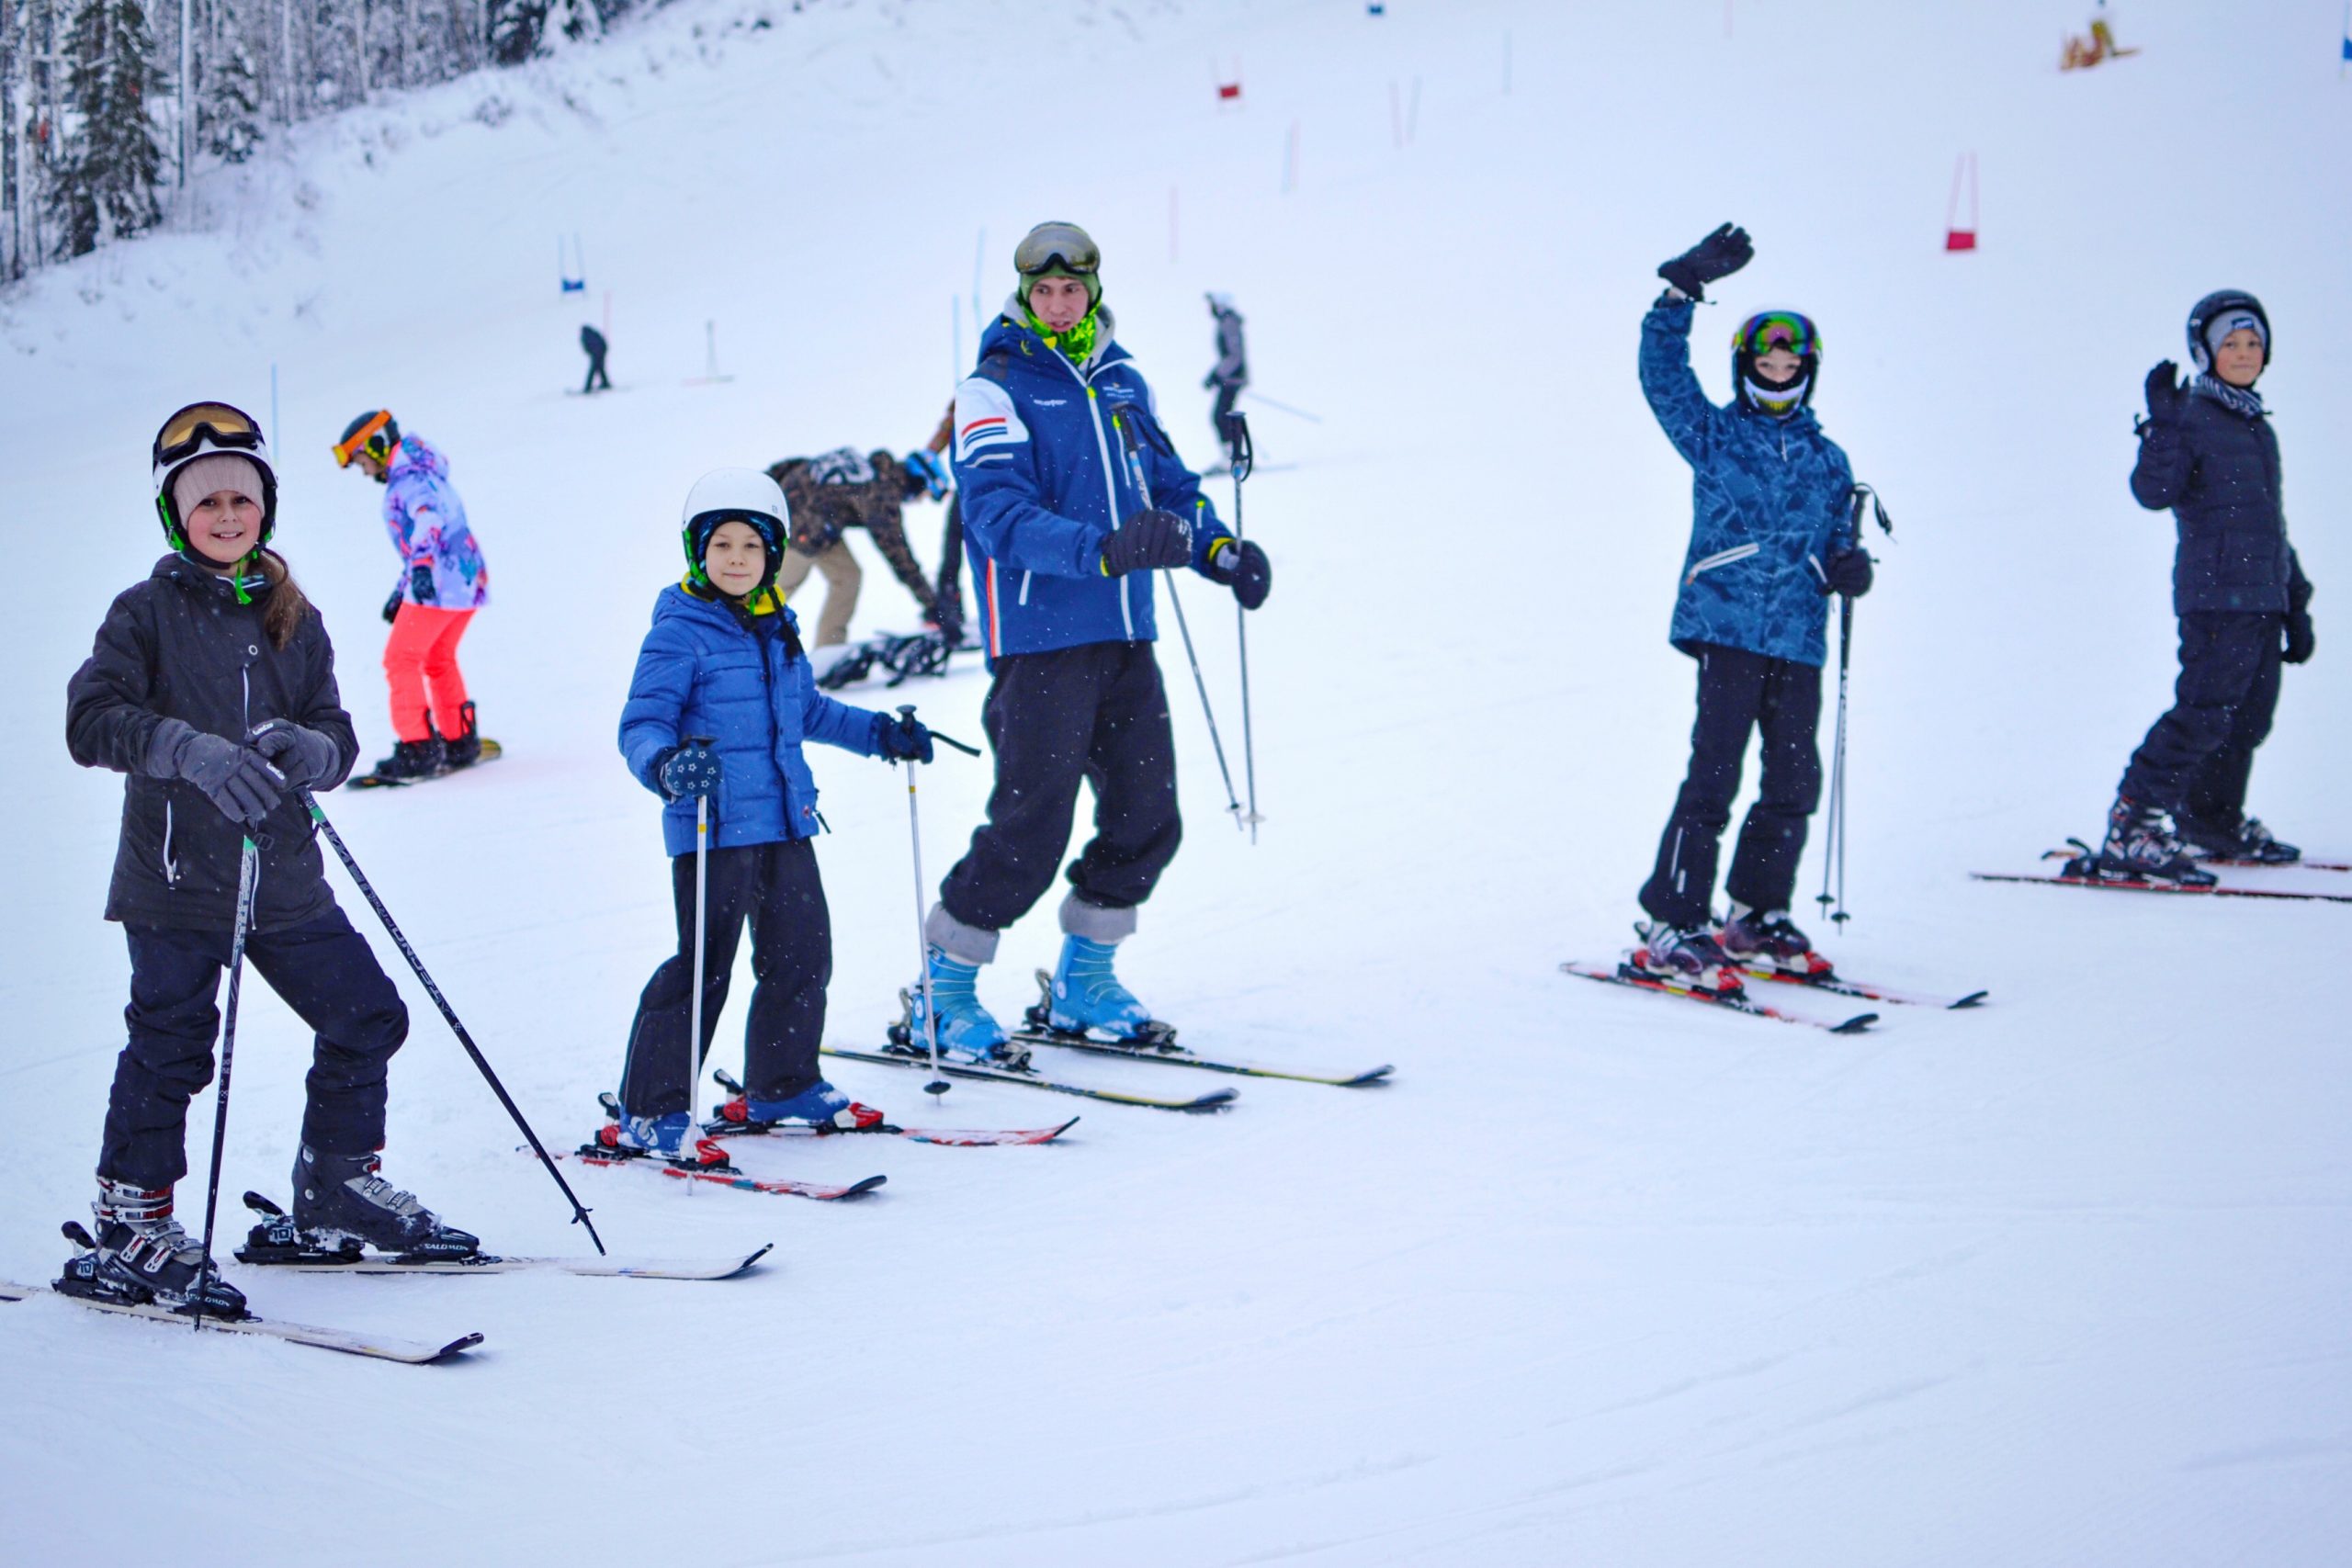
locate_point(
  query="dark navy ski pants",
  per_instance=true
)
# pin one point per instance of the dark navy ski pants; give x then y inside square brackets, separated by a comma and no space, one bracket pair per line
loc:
[2197,757]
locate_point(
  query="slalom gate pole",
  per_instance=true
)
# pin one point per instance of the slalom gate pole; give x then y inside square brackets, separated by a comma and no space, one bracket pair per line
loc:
[1245,458]
[1130,441]
[368,890]
[248,873]
[702,930]
[938,1084]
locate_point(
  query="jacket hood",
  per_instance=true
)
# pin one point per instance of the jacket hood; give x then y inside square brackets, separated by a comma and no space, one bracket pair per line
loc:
[417,453]
[1010,331]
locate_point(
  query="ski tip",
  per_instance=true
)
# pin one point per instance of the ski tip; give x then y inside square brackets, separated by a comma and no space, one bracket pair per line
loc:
[1854,1025]
[1369,1076]
[1974,998]
[1215,1100]
[755,1257]
[457,1347]
[860,1189]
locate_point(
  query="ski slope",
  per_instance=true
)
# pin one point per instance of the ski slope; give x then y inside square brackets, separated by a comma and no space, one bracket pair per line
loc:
[1600,1278]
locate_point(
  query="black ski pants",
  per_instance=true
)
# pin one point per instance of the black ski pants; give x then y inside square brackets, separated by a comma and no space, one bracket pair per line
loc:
[1095,714]
[596,376]
[775,887]
[1740,692]
[2197,757]
[321,969]
[1221,416]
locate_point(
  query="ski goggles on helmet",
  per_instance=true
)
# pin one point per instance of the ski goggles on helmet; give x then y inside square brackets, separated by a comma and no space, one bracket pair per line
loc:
[364,437]
[201,426]
[1056,247]
[1769,329]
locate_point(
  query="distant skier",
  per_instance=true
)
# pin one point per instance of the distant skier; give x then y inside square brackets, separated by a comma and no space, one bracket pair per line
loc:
[845,488]
[948,602]
[443,582]
[719,707]
[2209,454]
[1770,539]
[591,343]
[1063,544]
[212,687]
[1230,374]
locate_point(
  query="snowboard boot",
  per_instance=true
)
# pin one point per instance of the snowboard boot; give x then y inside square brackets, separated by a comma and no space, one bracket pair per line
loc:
[1753,938]
[342,1197]
[2140,847]
[967,1033]
[463,749]
[415,760]
[143,1255]
[2249,840]
[1684,955]
[819,1105]
[1085,995]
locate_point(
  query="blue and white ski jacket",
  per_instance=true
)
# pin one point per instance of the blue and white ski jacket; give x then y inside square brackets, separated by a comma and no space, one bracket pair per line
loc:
[1045,481]
[1771,500]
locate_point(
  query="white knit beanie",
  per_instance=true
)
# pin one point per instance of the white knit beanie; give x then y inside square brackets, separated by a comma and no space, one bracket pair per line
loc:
[213,472]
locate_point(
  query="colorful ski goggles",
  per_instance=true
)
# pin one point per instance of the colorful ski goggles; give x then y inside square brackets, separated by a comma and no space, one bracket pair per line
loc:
[1056,247]
[1769,329]
[228,429]
[365,435]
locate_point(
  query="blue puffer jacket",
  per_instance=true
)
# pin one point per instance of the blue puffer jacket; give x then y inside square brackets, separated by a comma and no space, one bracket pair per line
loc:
[701,673]
[1044,481]
[1771,498]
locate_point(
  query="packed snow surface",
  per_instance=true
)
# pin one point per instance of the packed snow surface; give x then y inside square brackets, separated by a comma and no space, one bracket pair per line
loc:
[1600,1278]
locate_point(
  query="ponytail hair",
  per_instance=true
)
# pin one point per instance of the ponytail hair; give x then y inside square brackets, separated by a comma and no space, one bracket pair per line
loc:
[283,609]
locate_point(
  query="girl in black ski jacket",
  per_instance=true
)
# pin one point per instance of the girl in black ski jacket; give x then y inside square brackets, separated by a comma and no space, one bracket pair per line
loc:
[212,687]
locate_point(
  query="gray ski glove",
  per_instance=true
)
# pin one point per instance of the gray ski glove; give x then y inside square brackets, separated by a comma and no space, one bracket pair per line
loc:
[304,756]
[235,778]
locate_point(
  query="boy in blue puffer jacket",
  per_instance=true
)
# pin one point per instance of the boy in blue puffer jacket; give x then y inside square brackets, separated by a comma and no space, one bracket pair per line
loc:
[720,703]
[1770,539]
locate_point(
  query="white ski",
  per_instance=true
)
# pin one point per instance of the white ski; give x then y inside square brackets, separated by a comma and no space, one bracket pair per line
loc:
[379,1347]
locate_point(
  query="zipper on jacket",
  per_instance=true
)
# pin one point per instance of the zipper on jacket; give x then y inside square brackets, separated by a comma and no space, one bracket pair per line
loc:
[1721,557]
[1110,484]
[171,867]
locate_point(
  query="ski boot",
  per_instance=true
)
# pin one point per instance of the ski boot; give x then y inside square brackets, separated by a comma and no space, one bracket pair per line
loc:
[1753,938]
[819,1105]
[968,1035]
[139,1255]
[623,1133]
[2249,840]
[1083,995]
[342,1197]
[2140,848]
[1685,957]
[463,749]
[413,760]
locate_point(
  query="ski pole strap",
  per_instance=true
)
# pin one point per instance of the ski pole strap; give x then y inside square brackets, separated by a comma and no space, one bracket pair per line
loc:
[1245,456]
[950,740]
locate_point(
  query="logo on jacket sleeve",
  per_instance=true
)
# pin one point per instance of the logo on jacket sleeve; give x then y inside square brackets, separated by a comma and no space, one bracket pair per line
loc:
[987,428]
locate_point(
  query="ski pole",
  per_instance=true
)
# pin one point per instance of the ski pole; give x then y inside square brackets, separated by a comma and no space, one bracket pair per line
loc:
[702,925]
[1245,458]
[248,873]
[938,1084]
[1834,851]
[368,890]
[1128,440]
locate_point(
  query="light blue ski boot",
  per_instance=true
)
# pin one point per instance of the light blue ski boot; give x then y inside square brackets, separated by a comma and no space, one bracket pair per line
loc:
[662,1135]
[1086,996]
[968,1034]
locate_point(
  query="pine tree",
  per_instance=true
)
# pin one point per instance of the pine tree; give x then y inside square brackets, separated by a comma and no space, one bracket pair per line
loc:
[514,30]
[106,183]
[229,112]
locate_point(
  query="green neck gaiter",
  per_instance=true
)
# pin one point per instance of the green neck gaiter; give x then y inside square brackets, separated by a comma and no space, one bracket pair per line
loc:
[1077,345]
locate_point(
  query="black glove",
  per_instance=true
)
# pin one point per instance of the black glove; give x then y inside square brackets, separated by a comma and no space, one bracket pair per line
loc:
[1242,566]
[235,778]
[2299,641]
[392,606]
[304,756]
[901,739]
[420,584]
[1152,538]
[1720,254]
[1849,572]
[2163,391]
[688,770]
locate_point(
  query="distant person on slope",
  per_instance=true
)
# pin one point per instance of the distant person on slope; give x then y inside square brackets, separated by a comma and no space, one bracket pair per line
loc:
[443,582]
[1770,540]
[591,343]
[1063,543]
[2208,453]
[212,687]
[719,707]
[1230,374]
[845,488]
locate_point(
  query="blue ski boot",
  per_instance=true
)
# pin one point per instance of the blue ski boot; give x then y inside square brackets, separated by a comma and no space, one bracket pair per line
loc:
[662,1135]
[819,1105]
[1087,996]
[967,1035]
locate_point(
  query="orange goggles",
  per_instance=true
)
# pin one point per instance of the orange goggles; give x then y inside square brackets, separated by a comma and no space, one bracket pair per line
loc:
[357,441]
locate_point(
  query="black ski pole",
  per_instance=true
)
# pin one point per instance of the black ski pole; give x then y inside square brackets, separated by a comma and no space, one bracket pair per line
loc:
[1245,458]
[366,890]
[248,873]
[1130,440]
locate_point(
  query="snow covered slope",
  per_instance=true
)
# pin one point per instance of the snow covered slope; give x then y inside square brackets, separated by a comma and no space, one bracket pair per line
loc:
[1599,1278]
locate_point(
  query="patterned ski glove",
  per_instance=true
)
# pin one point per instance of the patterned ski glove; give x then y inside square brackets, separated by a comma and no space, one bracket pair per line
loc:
[420,584]
[689,770]
[1242,566]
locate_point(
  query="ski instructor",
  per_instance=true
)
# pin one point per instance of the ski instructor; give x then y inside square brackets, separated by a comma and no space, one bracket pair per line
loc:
[1063,541]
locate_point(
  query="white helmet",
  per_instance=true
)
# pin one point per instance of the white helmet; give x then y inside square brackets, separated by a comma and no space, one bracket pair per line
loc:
[734,495]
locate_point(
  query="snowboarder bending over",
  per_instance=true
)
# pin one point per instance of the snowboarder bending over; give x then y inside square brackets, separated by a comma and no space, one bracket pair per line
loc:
[2208,453]
[212,687]
[1770,540]
[845,488]
[1230,374]
[443,582]
[1063,541]
[591,343]
[719,707]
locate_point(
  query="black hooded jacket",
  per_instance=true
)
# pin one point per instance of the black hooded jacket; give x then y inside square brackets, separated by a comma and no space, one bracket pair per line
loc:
[2218,470]
[179,646]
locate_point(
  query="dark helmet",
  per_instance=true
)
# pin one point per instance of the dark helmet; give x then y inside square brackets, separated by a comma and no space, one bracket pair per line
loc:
[375,433]
[1758,335]
[202,430]
[2217,315]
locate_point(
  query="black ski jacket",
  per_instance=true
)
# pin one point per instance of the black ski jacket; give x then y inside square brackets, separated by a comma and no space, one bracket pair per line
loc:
[2218,470]
[179,646]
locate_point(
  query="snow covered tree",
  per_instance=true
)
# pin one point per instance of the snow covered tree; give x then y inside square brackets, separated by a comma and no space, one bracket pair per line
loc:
[106,177]
[229,107]
[516,27]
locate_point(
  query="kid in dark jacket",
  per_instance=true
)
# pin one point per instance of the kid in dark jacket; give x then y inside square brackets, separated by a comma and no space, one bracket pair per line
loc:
[718,707]
[213,686]
[1770,539]
[2209,455]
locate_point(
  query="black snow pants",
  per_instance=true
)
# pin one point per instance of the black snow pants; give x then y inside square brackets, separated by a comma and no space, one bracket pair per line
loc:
[776,888]
[322,970]
[1097,714]
[1738,692]
[2197,757]
[1221,416]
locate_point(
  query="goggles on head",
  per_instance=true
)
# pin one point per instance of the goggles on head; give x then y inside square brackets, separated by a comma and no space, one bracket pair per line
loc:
[1769,329]
[367,438]
[187,432]
[1056,247]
